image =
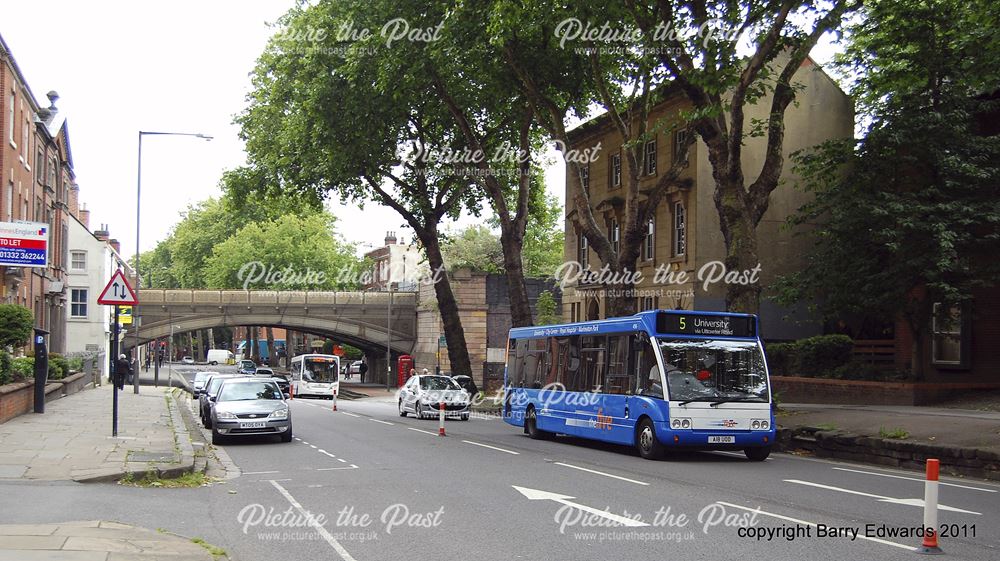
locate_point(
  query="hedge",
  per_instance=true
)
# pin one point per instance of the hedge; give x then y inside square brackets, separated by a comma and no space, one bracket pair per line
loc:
[821,356]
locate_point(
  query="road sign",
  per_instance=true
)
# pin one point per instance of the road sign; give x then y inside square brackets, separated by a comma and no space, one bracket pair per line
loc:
[24,244]
[442,341]
[118,292]
[125,317]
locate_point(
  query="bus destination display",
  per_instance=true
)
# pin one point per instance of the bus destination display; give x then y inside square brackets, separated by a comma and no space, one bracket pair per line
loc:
[700,324]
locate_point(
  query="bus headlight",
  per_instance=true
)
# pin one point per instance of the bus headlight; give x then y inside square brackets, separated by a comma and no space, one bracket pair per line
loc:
[755,424]
[680,423]
[760,424]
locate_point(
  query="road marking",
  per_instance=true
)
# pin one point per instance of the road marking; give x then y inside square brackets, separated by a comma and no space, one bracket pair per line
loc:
[352,466]
[327,453]
[601,473]
[350,414]
[423,431]
[316,525]
[299,439]
[916,479]
[491,447]
[304,442]
[258,472]
[881,498]
[342,460]
[813,524]
[381,421]
[314,447]
[737,454]
[537,495]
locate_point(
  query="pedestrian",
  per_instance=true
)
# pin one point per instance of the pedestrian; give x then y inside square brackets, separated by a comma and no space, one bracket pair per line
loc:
[425,372]
[122,371]
[361,371]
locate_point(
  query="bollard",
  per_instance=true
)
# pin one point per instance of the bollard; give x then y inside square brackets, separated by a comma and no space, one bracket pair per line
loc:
[930,544]
[441,419]
[334,400]
[291,392]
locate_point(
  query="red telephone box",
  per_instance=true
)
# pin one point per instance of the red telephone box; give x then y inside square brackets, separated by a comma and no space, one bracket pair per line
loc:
[403,365]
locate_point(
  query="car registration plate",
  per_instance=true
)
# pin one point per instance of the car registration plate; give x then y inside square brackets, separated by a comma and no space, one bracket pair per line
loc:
[721,439]
[253,425]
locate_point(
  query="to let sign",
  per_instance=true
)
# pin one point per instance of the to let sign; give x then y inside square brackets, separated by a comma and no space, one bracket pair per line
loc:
[24,244]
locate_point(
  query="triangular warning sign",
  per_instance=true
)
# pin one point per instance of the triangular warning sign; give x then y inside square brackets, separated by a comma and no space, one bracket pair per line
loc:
[118,292]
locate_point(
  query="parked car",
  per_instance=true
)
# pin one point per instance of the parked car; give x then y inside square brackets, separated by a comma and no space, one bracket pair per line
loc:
[219,356]
[187,360]
[200,378]
[355,367]
[250,406]
[467,384]
[422,395]
[263,371]
[247,366]
[204,400]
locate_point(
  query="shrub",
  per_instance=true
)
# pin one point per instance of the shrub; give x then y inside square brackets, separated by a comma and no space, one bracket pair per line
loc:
[75,364]
[15,325]
[22,368]
[780,358]
[61,362]
[823,353]
[6,368]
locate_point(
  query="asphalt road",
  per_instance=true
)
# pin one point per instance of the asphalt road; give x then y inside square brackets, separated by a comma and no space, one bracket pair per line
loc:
[378,486]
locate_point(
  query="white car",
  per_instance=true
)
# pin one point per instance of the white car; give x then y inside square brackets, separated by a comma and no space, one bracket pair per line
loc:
[422,395]
[187,360]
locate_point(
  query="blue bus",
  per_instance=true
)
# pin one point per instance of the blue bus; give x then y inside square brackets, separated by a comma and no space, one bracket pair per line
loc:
[656,380]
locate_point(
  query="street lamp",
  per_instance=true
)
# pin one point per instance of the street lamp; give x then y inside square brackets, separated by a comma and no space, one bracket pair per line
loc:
[138,206]
[170,366]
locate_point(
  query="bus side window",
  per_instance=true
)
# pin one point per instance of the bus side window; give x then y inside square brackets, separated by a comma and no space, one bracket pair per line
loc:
[593,353]
[620,380]
[534,363]
[513,363]
[519,359]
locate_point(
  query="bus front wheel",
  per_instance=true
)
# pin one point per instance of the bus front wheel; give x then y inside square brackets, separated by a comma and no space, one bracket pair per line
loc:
[647,443]
[531,425]
[758,454]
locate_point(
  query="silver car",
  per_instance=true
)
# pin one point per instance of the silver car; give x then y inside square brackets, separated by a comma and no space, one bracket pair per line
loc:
[422,395]
[248,406]
[200,379]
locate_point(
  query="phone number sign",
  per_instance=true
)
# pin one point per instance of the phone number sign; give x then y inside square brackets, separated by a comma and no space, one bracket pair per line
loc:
[24,244]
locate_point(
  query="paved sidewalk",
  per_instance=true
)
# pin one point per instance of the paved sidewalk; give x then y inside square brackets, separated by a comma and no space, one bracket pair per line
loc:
[72,439]
[96,541]
[929,425]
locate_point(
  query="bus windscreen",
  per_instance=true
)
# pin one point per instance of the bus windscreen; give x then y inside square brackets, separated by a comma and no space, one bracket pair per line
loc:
[319,370]
[716,371]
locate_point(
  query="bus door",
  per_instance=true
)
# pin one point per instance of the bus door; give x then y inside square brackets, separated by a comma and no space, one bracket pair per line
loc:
[615,419]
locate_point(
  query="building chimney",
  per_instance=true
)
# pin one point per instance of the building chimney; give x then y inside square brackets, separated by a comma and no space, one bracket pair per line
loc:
[390,238]
[116,245]
[74,200]
[85,217]
[102,234]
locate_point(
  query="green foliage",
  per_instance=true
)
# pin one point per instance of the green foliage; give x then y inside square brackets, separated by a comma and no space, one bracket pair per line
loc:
[75,363]
[15,325]
[918,207]
[60,364]
[6,368]
[291,252]
[351,352]
[897,433]
[476,248]
[22,368]
[813,356]
[544,238]
[545,309]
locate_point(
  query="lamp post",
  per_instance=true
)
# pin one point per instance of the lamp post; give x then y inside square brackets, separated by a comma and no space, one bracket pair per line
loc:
[170,366]
[138,206]
[388,342]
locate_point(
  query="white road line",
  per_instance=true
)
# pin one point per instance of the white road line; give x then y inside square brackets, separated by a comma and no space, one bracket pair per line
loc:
[316,525]
[423,431]
[737,454]
[916,479]
[352,466]
[814,524]
[491,447]
[258,472]
[351,414]
[314,447]
[342,460]
[601,473]
[881,498]
[327,453]
[381,421]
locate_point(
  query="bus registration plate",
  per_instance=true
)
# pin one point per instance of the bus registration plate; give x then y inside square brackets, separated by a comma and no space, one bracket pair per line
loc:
[721,439]
[254,425]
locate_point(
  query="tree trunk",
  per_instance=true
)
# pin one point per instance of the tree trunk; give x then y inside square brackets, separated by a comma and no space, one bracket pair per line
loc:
[517,291]
[270,348]
[454,333]
[210,338]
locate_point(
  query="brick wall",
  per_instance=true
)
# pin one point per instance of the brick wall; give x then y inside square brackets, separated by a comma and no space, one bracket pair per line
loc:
[16,399]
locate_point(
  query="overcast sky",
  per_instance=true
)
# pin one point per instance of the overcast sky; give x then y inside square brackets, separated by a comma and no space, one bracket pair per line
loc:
[177,66]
